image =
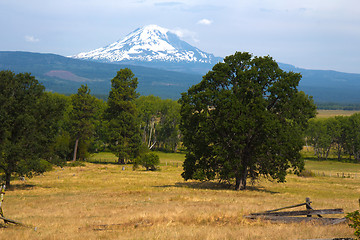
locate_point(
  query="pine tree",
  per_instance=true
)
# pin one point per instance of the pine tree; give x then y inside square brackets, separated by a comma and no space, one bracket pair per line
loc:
[82,118]
[123,126]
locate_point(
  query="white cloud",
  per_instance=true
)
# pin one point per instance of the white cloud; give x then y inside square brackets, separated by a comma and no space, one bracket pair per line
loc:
[205,21]
[185,34]
[31,39]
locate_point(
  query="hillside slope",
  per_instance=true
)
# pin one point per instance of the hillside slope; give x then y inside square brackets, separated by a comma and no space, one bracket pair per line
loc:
[65,75]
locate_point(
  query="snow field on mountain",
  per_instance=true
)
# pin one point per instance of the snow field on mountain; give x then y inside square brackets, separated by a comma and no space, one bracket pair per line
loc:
[147,44]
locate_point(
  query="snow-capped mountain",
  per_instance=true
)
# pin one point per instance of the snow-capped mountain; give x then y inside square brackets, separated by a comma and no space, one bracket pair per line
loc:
[150,44]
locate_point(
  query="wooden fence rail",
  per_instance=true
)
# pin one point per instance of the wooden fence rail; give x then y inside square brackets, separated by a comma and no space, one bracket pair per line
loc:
[302,212]
[7,220]
[293,216]
[338,174]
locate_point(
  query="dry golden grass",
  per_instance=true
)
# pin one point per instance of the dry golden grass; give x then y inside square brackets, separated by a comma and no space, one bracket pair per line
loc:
[333,113]
[101,201]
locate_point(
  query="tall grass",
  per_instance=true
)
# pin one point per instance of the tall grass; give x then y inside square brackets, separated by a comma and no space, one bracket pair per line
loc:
[103,201]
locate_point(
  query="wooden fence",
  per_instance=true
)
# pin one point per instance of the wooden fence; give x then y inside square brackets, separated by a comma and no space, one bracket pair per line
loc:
[298,216]
[338,174]
[7,220]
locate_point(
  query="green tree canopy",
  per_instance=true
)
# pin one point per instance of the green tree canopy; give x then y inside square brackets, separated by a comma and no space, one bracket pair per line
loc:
[244,119]
[159,122]
[324,134]
[169,133]
[29,123]
[340,134]
[149,108]
[123,126]
[352,136]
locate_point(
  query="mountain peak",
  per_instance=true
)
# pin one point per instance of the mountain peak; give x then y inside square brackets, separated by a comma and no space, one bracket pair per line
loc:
[153,28]
[150,43]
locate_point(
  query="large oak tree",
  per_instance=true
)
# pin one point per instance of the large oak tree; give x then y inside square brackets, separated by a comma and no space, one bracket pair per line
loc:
[244,119]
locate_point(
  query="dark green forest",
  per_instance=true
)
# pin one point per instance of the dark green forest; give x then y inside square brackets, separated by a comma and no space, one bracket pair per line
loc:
[39,128]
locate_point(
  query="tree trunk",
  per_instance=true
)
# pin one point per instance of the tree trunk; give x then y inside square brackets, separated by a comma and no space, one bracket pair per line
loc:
[357,156]
[327,152]
[240,179]
[237,183]
[339,152]
[306,145]
[149,142]
[75,148]
[121,160]
[144,134]
[7,179]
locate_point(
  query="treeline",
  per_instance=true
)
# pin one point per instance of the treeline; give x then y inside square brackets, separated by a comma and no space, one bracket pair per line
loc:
[86,122]
[38,128]
[159,122]
[339,135]
[338,106]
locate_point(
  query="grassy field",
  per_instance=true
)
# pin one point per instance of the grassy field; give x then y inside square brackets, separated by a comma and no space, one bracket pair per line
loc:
[333,113]
[103,201]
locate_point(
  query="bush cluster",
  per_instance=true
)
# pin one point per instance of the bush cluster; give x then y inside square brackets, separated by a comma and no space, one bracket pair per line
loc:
[150,161]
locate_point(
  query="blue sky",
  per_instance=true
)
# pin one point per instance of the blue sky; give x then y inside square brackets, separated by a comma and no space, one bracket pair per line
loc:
[314,34]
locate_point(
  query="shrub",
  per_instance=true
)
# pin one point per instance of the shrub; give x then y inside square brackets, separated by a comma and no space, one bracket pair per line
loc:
[75,164]
[61,162]
[306,173]
[354,218]
[150,161]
